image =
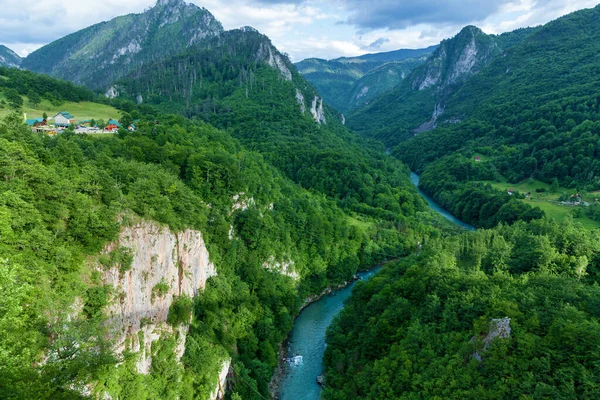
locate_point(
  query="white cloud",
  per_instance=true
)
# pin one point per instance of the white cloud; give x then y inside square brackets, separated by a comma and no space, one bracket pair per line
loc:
[309,28]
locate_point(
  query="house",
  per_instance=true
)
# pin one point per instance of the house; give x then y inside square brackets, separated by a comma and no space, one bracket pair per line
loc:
[36,122]
[131,128]
[511,191]
[114,122]
[477,159]
[63,118]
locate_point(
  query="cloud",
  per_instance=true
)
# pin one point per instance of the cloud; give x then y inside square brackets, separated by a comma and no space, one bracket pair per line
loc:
[42,21]
[394,14]
[378,43]
[303,28]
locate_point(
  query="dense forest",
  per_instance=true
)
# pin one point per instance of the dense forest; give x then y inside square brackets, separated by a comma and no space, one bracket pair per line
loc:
[64,198]
[435,324]
[233,142]
[531,117]
[225,85]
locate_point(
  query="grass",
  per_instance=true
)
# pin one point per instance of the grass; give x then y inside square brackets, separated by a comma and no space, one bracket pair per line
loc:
[81,111]
[365,226]
[547,201]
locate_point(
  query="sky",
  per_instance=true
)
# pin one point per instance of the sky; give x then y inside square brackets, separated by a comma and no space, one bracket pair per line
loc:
[302,28]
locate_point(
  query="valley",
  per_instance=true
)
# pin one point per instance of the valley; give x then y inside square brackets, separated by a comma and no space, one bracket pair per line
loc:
[173,256]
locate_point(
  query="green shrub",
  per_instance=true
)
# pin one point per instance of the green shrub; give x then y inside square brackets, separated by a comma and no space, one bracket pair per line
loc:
[180,311]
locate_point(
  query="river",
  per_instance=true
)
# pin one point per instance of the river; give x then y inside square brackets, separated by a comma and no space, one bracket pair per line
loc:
[308,342]
[306,345]
[414,178]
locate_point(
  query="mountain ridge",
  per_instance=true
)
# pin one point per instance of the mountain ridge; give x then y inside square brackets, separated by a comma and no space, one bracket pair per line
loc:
[415,105]
[9,58]
[348,82]
[99,54]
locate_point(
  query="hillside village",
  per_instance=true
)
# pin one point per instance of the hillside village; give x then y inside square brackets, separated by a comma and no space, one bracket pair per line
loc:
[64,120]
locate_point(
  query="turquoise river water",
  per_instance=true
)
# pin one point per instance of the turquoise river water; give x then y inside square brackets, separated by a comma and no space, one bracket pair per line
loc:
[307,341]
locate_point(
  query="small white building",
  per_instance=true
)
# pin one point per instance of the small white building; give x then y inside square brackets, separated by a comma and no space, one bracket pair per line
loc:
[63,119]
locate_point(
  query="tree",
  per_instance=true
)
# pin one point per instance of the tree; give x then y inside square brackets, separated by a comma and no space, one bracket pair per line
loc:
[45,116]
[126,120]
[34,98]
[555,186]
[14,98]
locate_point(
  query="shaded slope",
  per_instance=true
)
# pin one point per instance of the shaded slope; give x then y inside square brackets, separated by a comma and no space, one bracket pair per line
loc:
[342,81]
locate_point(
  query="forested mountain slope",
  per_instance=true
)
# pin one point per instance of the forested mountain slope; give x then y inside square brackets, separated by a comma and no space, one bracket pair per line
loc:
[196,251]
[505,313]
[418,103]
[239,82]
[532,114]
[349,82]
[102,53]
[9,58]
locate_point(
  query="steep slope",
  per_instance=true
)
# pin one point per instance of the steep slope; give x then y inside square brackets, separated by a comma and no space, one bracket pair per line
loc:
[536,88]
[380,80]
[241,83]
[531,116]
[105,52]
[415,105]
[9,58]
[342,81]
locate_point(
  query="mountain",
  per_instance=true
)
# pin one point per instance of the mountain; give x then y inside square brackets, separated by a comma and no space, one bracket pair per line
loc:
[241,83]
[175,250]
[388,56]
[102,53]
[531,117]
[349,82]
[9,58]
[189,244]
[414,106]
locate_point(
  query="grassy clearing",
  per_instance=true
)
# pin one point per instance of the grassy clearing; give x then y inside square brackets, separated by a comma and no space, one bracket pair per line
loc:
[81,111]
[548,201]
[365,226]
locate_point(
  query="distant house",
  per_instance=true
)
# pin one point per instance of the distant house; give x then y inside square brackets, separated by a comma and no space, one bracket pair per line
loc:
[131,128]
[477,159]
[36,122]
[511,191]
[112,125]
[63,118]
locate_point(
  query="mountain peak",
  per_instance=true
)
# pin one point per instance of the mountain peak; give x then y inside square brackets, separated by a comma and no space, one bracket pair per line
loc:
[166,3]
[99,55]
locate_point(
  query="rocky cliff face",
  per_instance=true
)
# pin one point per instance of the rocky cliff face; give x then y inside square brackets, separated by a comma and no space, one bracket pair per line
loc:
[271,56]
[456,59]
[165,265]
[317,110]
